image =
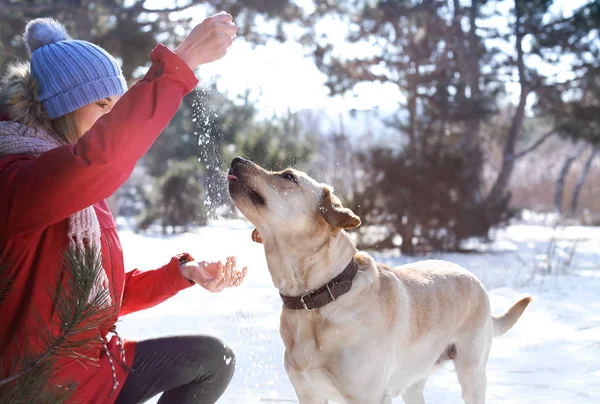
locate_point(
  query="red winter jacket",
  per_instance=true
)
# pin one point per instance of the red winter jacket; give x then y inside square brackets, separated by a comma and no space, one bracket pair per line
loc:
[37,195]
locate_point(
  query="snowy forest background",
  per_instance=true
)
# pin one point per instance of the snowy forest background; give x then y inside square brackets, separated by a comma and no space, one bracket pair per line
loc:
[435,120]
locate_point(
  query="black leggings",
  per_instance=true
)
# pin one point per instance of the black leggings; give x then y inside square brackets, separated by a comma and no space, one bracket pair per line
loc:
[186,369]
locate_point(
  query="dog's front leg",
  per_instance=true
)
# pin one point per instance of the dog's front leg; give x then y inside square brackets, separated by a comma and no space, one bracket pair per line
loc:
[376,398]
[310,399]
[414,394]
[305,393]
[304,390]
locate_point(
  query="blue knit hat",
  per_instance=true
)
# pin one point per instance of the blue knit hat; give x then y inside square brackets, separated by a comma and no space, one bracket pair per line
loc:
[70,73]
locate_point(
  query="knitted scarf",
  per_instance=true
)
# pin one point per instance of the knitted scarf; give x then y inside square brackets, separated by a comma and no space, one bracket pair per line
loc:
[83,226]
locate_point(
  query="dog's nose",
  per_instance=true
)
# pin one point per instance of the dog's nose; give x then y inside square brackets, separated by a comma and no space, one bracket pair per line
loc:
[239,161]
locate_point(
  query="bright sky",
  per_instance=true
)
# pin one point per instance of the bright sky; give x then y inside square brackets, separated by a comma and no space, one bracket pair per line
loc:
[280,76]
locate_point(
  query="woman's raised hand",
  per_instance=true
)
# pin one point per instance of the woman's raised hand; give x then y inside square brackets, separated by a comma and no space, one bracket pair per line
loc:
[208,41]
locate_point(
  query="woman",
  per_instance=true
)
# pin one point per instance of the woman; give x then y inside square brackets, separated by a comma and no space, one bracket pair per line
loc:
[70,135]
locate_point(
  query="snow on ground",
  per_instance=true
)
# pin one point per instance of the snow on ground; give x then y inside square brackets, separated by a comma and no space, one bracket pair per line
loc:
[552,355]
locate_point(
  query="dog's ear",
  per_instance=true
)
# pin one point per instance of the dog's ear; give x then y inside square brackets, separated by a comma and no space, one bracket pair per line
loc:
[256,236]
[335,214]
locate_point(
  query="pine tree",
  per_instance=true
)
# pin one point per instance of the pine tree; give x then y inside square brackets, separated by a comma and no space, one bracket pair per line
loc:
[433,53]
[77,312]
[573,99]
[177,198]
[442,57]
[275,143]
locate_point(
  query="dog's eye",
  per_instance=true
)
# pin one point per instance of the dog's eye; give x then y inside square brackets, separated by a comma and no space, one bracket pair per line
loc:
[289,176]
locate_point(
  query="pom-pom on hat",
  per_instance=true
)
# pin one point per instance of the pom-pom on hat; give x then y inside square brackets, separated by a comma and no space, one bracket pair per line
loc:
[70,73]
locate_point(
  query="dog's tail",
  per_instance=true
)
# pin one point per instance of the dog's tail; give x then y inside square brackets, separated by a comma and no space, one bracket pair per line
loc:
[505,322]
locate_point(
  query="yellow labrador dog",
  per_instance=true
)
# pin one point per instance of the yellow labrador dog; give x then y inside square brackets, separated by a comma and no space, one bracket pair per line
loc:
[356,331]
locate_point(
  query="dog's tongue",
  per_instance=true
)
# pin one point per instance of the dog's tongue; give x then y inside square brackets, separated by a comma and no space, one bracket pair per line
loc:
[231,177]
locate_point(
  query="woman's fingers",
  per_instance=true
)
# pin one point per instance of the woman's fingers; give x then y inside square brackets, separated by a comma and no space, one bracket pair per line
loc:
[224,281]
[214,285]
[228,28]
[226,275]
[229,267]
[222,17]
[239,277]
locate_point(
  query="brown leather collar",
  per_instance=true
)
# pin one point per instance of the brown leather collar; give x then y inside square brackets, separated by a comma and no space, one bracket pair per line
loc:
[325,294]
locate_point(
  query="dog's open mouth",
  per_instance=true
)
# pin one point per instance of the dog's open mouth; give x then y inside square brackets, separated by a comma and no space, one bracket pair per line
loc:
[238,185]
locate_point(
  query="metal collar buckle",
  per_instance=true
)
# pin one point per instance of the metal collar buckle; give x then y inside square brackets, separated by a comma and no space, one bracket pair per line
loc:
[304,303]
[310,293]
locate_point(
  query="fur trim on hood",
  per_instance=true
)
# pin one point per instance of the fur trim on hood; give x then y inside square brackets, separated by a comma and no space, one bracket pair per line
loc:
[19,98]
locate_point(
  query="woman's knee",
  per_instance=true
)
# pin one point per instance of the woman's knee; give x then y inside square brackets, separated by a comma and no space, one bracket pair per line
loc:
[229,360]
[216,354]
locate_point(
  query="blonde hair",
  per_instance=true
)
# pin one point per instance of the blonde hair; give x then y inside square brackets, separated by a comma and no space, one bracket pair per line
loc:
[66,128]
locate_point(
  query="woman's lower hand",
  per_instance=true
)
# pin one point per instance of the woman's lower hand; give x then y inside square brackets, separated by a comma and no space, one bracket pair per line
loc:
[208,41]
[214,276]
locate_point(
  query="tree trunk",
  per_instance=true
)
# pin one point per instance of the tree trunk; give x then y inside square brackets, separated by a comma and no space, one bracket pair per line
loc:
[581,180]
[470,68]
[407,233]
[560,182]
[412,110]
[508,163]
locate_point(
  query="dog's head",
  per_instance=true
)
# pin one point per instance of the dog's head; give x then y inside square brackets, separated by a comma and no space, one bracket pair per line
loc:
[287,204]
